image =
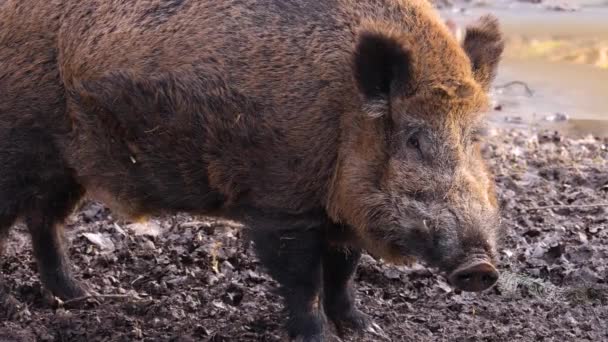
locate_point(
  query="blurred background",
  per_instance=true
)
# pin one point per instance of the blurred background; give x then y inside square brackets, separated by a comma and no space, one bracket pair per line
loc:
[555,70]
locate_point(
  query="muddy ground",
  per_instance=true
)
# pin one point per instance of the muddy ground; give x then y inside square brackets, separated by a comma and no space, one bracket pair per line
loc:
[191,279]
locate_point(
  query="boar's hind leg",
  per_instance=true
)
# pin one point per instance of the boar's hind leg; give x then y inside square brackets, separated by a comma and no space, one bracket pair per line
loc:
[35,184]
[339,265]
[44,219]
[291,251]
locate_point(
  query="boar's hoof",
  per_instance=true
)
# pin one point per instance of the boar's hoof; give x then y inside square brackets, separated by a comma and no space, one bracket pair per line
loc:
[351,320]
[474,277]
[356,321]
[76,291]
[65,288]
[312,338]
[307,328]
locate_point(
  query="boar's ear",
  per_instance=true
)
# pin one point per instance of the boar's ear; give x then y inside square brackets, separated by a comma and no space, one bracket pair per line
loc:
[484,45]
[382,67]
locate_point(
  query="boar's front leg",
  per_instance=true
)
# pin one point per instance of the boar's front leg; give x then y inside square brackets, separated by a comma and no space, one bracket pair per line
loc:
[340,260]
[291,248]
[339,265]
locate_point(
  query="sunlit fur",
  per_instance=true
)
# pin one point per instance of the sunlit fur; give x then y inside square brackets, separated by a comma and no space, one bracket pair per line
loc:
[443,210]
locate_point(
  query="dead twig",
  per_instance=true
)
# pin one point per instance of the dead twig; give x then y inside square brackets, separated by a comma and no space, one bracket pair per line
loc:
[529,90]
[137,279]
[566,206]
[96,297]
[194,224]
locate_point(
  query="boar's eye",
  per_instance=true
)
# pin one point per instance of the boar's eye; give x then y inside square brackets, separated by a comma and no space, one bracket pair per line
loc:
[413,142]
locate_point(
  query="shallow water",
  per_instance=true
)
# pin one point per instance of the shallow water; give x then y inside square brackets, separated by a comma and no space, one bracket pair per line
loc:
[579,91]
[561,56]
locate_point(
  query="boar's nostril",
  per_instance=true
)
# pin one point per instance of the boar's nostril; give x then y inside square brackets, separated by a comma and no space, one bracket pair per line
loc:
[489,278]
[474,277]
[464,277]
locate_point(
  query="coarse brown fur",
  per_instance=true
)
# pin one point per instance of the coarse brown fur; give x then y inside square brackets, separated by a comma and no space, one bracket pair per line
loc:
[345,124]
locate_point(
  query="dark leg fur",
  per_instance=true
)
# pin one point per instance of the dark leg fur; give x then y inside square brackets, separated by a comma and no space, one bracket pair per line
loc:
[36,184]
[339,265]
[44,222]
[291,250]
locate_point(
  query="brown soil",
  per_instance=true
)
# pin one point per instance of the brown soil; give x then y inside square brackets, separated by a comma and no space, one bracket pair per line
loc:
[196,281]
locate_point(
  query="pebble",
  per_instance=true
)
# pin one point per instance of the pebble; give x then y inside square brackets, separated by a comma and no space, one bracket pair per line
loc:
[149,245]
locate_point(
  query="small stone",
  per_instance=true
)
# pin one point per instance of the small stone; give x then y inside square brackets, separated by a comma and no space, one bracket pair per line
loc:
[392,273]
[104,243]
[557,117]
[149,245]
[219,305]
[538,252]
[514,119]
[582,237]
[119,229]
[148,228]
[212,279]
[226,265]
[444,286]
[92,211]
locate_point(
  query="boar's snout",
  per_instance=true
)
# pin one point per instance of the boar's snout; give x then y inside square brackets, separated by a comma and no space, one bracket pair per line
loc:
[476,276]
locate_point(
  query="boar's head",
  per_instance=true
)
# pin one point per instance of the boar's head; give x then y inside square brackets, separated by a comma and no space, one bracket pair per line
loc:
[410,176]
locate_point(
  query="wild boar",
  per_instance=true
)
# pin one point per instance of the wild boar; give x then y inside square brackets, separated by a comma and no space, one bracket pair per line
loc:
[326,127]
